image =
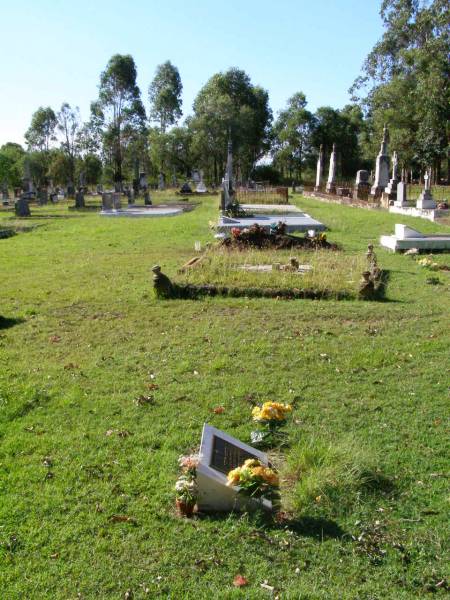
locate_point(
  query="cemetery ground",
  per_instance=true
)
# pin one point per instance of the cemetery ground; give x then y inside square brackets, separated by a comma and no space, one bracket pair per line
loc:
[102,387]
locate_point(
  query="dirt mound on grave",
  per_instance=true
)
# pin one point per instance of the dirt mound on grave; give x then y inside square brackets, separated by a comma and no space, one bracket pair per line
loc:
[275,239]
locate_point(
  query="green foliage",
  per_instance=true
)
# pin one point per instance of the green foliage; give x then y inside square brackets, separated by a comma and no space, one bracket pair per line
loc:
[229,105]
[69,126]
[118,115]
[165,95]
[11,157]
[292,135]
[42,129]
[406,81]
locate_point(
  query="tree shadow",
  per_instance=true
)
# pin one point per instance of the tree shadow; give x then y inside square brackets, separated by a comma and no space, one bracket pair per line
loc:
[6,322]
[318,528]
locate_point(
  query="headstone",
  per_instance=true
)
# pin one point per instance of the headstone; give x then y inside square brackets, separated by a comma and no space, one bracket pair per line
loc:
[147,198]
[381,167]
[5,194]
[219,454]
[195,176]
[391,189]
[42,196]
[401,200]
[201,187]
[331,181]
[362,185]
[186,188]
[107,201]
[70,190]
[319,170]
[425,199]
[117,204]
[22,207]
[161,182]
[227,196]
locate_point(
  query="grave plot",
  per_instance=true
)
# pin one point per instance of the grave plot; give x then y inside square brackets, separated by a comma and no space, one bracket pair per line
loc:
[315,274]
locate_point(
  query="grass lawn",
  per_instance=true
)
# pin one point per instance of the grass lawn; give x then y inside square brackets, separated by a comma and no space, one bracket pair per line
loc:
[82,337]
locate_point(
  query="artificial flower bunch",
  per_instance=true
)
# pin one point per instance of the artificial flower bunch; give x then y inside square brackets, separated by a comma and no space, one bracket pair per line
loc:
[186,489]
[255,480]
[271,412]
[428,263]
[270,417]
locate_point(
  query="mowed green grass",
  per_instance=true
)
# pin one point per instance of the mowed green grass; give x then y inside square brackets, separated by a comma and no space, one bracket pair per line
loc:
[85,338]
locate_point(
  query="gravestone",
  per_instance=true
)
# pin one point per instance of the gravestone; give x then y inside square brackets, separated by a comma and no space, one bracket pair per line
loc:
[391,189]
[70,190]
[219,454]
[425,199]
[319,170]
[42,196]
[5,194]
[228,196]
[401,200]
[116,202]
[195,176]
[381,167]
[331,181]
[161,182]
[22,207]
[107,201]
[186,188]
[201,187]
[362,185]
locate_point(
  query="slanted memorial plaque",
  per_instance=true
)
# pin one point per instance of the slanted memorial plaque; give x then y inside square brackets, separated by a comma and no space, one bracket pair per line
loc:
[227,456]
[220,453]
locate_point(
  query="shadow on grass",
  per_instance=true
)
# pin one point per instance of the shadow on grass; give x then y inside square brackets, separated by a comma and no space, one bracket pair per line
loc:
[6,323]
[318,528]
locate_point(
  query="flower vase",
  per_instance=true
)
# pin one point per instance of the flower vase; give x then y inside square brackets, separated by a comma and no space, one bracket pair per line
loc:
[185,509]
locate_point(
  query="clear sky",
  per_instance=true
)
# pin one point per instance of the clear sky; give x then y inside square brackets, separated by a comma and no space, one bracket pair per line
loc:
[53,51]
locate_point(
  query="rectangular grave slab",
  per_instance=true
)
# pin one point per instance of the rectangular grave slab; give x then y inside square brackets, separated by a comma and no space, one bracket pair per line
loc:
[219,454]
[406,237]
[299,222]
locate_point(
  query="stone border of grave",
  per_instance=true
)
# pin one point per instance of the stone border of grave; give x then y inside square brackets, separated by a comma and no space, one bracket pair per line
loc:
[373,285]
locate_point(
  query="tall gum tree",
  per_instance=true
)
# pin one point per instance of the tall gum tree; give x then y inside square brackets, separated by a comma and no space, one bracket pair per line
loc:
[118,113]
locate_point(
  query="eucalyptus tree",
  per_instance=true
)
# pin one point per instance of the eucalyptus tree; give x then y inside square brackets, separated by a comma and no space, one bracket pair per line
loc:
[69,125]
[292,132]
[42,129]
[406,81]
[230,106]
[118,114]
[165,95]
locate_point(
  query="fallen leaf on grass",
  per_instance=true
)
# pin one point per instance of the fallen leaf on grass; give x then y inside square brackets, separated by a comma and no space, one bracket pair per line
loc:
[122,519]
[55,339]
[240,581]
[71,366]
[125,433]
[143,400]
[109,432]
[56,555]
[218,410]
[47,462]
[153,386]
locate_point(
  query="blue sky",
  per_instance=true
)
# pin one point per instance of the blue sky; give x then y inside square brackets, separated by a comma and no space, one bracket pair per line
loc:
[54,50]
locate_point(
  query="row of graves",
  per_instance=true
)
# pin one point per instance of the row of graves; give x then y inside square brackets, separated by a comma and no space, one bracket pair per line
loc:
[271,251]
[386,189]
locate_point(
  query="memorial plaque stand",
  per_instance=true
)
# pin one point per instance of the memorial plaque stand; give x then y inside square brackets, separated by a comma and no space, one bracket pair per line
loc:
[219,454]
